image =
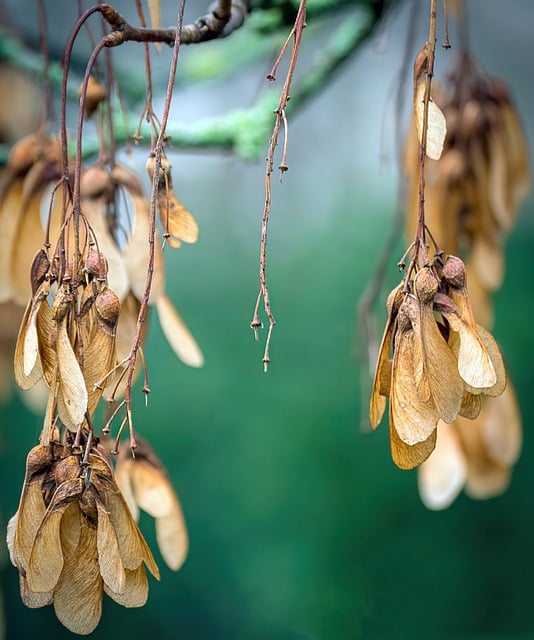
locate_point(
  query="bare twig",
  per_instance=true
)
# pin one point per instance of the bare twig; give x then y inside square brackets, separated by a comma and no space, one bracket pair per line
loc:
[225,17]
[280,118]
[158,152]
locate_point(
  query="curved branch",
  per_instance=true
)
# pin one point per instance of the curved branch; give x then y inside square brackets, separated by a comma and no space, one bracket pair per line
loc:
[223,19]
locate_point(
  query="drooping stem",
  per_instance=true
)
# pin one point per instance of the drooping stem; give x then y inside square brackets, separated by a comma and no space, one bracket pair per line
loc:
[420,234]
[280,119]
[158,152]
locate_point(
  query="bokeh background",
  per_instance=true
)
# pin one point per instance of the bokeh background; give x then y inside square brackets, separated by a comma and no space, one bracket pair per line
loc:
[301,527]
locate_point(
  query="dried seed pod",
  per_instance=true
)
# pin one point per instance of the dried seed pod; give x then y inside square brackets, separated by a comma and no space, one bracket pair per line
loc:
[377,405]
[436,124]
[437,370]
[145,485]
[178,335]
[99,352]
[412,421]
[95,95]
[175,218]
[443,475]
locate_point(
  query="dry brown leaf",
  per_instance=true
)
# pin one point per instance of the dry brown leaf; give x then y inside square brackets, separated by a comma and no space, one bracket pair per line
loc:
[517,153]
[480,299]
[471,405]
[135,590]
[407,456]
[109,558]
[134,549]
[439,363]
[496,358]
[96,93]
[31,599]
[46,558]
[501,430]
[176,219]
[136,253]
[436,124]
[172,537]
[500,187]
[27,366]
[72,395]
[487,260]
[70,529]
[377,405]
[485,479]
[151,488]
[47,337]
[78,594]
[99,354]
[178,335]
[412,421]
[23,526]
[28,239]
[474,362]
[144,483]
[123,343]
[123,480]
[95,212]
[10,212]
[442,476]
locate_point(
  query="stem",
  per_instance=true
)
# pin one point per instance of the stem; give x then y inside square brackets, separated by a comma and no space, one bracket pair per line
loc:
[158,152]
[420,235]
[281,118]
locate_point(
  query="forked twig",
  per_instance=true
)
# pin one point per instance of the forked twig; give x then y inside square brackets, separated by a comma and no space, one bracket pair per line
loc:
[281,118]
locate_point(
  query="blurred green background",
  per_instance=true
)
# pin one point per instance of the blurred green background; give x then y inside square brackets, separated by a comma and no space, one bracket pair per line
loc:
[300,525]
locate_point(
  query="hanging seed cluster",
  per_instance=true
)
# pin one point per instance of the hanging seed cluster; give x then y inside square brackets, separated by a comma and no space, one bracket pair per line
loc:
[473,192]
[81,271]
[435,362]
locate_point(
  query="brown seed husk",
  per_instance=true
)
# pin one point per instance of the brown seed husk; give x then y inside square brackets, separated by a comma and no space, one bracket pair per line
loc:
[485,479]
[412,421]
[475,365]
[78,594]
[178,335]
[72,393]
[46,559]
[176,219]
[172,538]
[134,549]
[126,327]
[23,527]
[109,558]
[31,599]
[136,253]
[135,589]
[27,241]
[471,405]
[27,363]
[99,354]
[438,376]
[10,212]
[94,210]
[501,429]
[436,124]
[377,405]
[442,476]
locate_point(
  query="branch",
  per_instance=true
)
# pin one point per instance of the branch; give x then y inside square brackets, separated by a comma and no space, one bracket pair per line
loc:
[224,18]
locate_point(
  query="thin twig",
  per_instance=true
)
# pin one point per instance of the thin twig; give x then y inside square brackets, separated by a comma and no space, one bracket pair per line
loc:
[225,17]
[158,152]
[420,234]
[280,113]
